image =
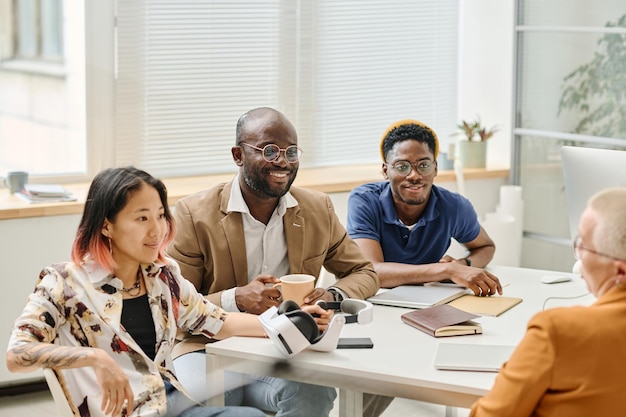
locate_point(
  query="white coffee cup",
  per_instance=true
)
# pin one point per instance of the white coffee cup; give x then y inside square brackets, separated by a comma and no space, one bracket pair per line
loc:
[16,180]
[296,286]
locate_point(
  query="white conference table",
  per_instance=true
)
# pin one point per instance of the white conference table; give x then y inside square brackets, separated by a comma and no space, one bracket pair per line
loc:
[401,362]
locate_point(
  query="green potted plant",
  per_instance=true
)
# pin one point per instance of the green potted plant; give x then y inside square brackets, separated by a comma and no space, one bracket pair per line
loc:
[472,150]
[594,91]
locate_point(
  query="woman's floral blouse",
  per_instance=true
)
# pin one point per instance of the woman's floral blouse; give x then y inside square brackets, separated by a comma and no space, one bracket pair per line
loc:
[80,305]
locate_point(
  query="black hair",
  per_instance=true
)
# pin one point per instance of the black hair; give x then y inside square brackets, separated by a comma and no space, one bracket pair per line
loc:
[408,132]
[107,196]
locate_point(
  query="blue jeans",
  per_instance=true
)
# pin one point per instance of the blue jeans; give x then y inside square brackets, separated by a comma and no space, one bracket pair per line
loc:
[178,405]
[283,397]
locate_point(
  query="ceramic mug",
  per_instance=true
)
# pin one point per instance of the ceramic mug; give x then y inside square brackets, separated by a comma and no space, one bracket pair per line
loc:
[296,286]
[16,180]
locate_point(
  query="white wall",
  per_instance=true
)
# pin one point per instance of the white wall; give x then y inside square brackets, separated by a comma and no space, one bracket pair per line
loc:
[26,247]
[486,71]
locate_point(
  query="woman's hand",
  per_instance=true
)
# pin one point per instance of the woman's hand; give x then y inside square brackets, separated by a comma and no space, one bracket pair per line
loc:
[322,317]
[114,385]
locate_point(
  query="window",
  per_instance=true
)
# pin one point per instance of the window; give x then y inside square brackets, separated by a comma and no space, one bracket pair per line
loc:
[39,29]
[166,80]
[571,66]
[42,88]
[341,71]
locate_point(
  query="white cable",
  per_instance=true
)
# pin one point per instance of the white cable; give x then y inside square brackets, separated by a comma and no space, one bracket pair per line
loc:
[563,298]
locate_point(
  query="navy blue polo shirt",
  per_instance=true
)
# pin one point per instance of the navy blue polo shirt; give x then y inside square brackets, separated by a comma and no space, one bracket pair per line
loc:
[372,215]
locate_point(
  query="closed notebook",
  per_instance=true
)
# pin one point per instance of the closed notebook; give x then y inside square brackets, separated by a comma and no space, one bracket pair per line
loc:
[485,306]
[46,190]
[443,320]
[466,357]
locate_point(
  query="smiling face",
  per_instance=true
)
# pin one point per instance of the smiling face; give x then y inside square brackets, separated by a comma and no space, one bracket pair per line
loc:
[261,178]
[138,230]
[414,189]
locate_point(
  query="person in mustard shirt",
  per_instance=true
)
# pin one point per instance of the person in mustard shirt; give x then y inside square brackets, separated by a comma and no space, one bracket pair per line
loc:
[572,360]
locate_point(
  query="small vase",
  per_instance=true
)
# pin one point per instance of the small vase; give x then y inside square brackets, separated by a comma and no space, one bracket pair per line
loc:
[472,154]
[444,162]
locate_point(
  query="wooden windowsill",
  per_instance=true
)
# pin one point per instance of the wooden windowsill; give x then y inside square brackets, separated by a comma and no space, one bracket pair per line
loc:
[326,179]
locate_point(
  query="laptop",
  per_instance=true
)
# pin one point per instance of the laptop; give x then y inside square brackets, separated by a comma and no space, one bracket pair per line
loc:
[472,357]
[418,296]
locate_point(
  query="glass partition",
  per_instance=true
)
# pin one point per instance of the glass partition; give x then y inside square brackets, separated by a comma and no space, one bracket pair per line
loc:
[569,90]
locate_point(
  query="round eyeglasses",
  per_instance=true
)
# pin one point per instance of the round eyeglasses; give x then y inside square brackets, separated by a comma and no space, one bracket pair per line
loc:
[579,248]
[403,168]
[271,152]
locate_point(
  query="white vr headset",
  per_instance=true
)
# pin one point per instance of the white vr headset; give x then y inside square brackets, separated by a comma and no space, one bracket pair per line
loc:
[292,330]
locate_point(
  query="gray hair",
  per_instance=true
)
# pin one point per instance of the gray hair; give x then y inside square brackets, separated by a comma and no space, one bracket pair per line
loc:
[610,234]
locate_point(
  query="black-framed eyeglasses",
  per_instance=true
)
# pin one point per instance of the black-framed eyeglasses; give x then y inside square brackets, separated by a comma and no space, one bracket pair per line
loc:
[403,168]
[579,248]
[271,152]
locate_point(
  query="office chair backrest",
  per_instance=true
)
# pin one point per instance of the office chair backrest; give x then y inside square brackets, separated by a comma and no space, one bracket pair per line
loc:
[59,395]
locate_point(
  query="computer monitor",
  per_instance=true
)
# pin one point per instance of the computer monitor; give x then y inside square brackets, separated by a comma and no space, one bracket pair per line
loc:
[587,171]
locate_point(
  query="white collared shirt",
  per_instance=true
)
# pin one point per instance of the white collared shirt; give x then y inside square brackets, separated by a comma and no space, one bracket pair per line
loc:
[266,246]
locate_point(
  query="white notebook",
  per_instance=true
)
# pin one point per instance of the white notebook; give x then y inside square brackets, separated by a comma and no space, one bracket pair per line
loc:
[472,357]
[46,190]
[418,296]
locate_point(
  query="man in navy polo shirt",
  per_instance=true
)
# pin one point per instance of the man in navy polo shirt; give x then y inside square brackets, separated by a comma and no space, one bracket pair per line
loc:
[404,224]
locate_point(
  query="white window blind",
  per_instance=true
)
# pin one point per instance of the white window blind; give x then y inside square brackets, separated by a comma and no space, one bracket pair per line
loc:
[379,62]
[340,70]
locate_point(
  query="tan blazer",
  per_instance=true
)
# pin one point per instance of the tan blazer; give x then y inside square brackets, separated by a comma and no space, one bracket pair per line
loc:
[210,246]
[571,363]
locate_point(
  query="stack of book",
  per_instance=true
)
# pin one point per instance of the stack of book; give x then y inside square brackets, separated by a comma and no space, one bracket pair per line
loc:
[45,193]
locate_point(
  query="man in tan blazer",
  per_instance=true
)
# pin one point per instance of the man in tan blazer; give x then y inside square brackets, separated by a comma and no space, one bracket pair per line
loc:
[236,238]
[572,360]
[210,247]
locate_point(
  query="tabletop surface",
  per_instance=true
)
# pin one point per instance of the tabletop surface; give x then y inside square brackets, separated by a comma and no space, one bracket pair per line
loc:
[401,362]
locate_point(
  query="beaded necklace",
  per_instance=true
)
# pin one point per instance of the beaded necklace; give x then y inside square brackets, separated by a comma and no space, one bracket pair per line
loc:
[136,285]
